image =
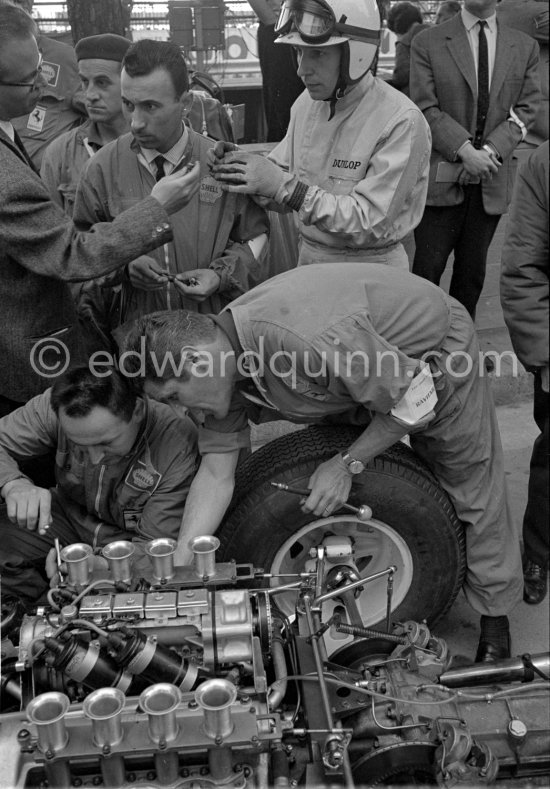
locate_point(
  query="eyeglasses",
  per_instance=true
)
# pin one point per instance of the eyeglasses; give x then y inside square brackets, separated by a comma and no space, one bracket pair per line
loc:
[315,22]
[37,73]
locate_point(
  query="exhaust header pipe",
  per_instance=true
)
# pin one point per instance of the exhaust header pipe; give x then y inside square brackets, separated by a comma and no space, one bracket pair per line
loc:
[160,702]
[104,708]
[161,552]
[215,697]
[47,711]
[520,669]
[204,550]
[119,556]
[77,558]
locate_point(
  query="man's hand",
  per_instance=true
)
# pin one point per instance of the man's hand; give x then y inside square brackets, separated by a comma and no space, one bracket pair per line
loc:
[330,485]
[249,173]
[28,505]
[145,274]
[478,164]
[198,284]
[174,191]
[218,151]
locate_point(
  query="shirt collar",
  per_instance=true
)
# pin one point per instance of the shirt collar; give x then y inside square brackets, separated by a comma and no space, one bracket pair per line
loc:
[7,128]
[469,21]
[226,322]
[174,155]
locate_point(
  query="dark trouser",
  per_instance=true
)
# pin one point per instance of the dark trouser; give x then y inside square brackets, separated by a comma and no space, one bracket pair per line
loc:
[281,84]
[465,229]
[40,469]
[536,519]
[23,552]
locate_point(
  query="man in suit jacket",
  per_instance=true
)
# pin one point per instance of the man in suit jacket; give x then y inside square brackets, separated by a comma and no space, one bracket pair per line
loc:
[465,202]
[40,249]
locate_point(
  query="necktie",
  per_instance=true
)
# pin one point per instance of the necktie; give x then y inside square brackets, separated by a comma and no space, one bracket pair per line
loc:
[482,84]
[159,164]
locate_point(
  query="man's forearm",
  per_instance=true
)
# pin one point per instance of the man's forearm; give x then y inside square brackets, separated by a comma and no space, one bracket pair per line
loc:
[207,501]
[381,434]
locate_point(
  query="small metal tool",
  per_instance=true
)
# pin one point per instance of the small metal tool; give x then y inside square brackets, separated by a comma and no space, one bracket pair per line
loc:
[363,513]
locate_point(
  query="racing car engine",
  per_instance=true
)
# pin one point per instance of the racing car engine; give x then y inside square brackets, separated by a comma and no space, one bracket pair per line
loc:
[193,677]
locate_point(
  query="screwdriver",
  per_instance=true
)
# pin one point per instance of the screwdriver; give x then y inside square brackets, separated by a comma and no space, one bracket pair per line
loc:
[363,513]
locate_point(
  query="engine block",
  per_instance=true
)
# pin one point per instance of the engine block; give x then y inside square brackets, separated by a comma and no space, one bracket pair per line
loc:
[180,677]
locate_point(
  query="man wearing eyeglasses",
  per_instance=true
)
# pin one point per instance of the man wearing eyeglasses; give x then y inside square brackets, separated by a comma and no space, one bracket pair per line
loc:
[60,107]
[40,248]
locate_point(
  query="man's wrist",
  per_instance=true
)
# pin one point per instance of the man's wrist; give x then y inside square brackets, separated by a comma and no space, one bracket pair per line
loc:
[298,196]
[492,151]
[7,486]
[465,148]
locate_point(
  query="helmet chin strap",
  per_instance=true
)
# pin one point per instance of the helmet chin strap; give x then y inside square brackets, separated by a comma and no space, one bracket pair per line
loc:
[338,93]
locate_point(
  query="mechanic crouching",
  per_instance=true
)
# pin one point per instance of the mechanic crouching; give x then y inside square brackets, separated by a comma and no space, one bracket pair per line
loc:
[123,469]
[347,343]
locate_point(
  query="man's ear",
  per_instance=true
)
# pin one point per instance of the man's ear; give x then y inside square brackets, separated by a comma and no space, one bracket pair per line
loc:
[139,410]
[198,362]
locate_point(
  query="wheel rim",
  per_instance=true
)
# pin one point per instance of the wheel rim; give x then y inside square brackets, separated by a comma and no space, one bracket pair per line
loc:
[376,547]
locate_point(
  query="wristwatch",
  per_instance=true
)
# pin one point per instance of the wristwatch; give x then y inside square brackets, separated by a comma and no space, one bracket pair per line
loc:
[353,465]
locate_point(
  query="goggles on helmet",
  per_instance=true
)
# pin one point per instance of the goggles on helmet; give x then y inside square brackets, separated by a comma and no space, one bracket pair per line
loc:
[314,20]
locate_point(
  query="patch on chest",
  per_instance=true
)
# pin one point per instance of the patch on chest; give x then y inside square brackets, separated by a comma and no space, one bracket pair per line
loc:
[209,190]
[142,478]
[51,72]
[345,168]
[36,118]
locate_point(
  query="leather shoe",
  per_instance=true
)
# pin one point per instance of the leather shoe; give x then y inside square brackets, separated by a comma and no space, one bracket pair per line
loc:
[494,643]
[535,583]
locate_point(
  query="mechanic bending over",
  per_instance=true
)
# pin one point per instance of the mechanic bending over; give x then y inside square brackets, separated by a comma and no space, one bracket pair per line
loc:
[353,350]
[123,468]
[354,162]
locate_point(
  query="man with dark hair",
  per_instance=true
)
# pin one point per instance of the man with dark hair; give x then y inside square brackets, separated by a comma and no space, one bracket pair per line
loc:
[123,469]
[40,248]
[60,107]
[476,81]
[219,239]
[405,20]
[355,353]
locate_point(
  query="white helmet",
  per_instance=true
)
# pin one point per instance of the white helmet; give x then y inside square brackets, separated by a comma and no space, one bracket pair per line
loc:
[353,23]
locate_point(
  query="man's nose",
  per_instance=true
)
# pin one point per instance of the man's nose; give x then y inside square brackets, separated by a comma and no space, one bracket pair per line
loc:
[91,92]
[303,67]
[137,121]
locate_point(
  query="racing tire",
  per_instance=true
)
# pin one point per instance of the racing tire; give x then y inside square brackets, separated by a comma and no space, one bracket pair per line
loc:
[414,526]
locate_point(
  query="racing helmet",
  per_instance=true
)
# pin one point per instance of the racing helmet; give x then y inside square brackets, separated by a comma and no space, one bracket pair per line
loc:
[353,23]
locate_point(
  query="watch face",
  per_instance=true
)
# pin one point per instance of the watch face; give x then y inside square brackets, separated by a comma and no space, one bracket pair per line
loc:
[356,467]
